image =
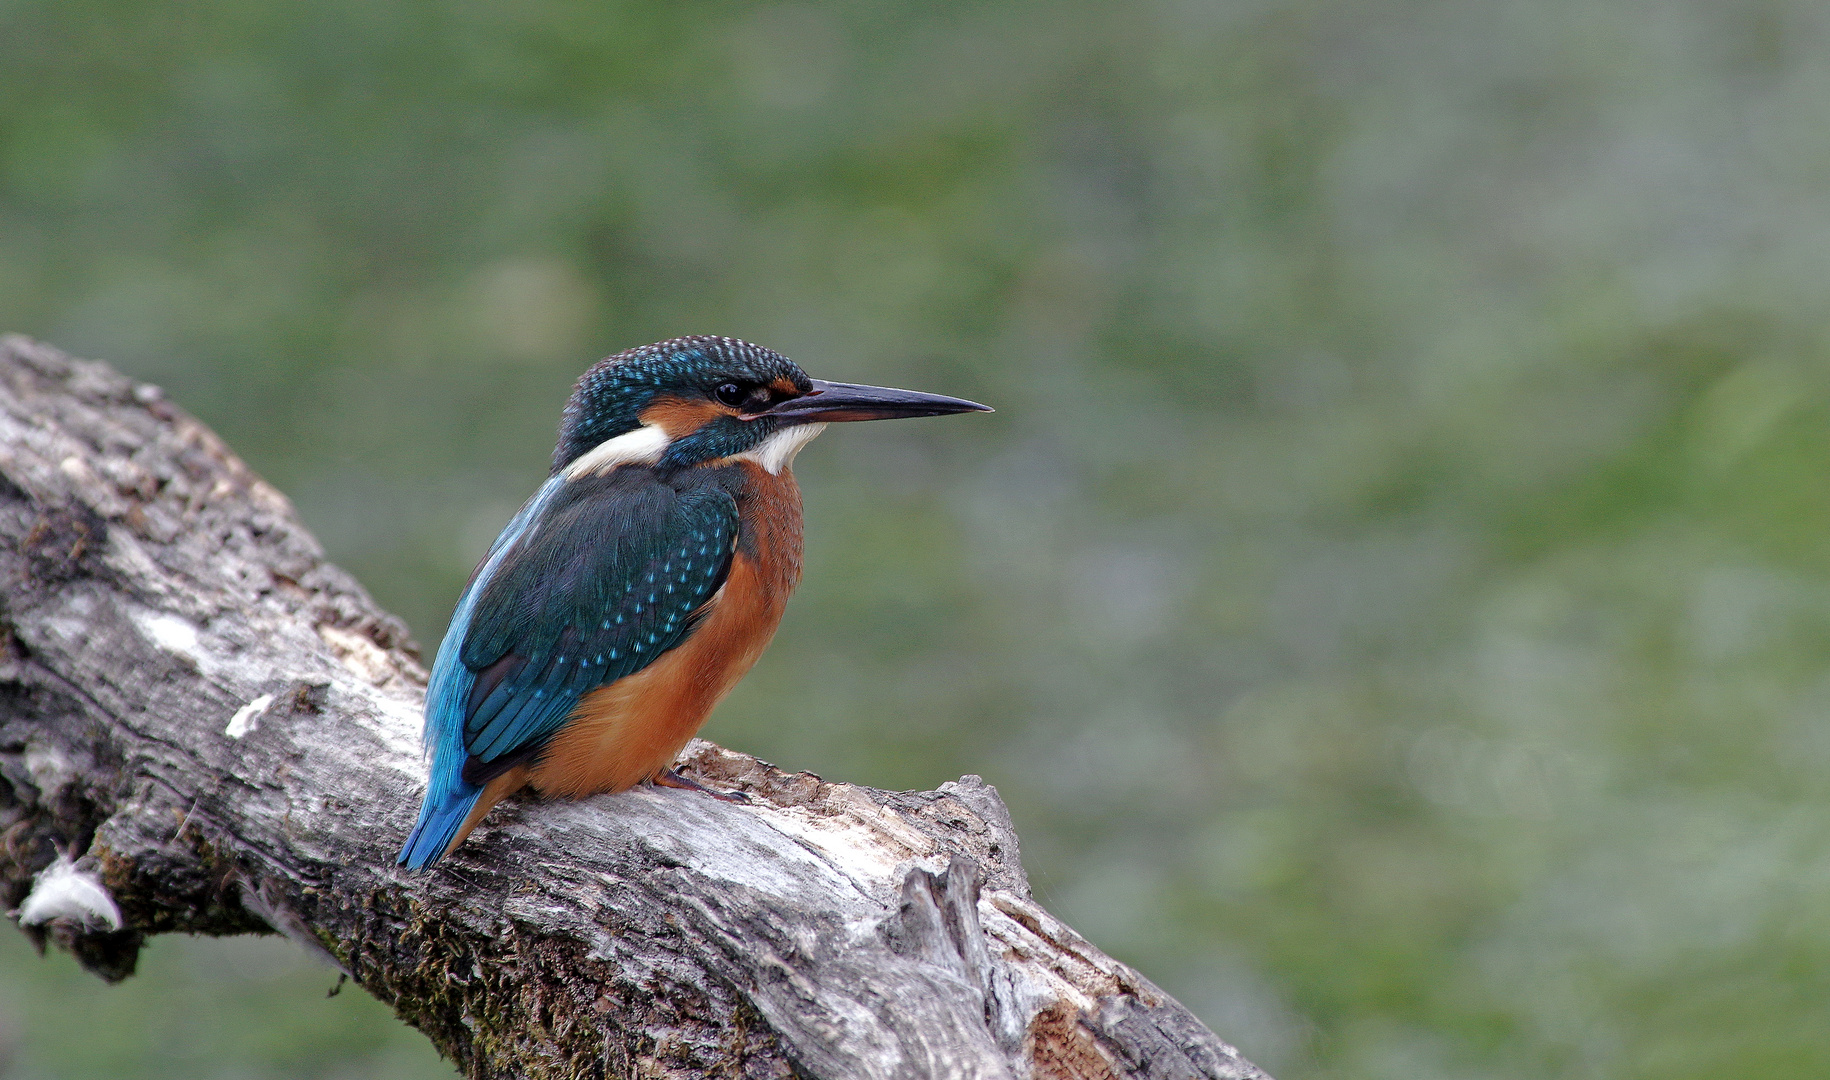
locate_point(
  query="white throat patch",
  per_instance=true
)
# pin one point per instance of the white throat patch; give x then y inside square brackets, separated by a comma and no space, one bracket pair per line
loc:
[643,446]
[776,452]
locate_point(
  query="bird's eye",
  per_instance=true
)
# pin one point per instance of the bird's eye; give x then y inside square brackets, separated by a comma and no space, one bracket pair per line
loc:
[729,394]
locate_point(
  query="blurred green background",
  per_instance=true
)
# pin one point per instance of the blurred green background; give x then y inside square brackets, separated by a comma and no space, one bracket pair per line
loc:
[1393,595]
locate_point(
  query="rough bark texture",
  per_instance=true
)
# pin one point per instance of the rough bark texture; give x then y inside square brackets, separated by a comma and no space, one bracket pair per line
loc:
[222,728]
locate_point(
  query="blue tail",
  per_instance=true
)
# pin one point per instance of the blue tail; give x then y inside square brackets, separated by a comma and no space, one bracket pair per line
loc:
[449,799]
[438,823]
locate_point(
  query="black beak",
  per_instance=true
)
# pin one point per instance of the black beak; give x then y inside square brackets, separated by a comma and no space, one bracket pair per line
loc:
[830,402]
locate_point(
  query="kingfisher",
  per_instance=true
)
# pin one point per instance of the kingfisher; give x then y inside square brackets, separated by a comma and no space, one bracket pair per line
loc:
[638,585]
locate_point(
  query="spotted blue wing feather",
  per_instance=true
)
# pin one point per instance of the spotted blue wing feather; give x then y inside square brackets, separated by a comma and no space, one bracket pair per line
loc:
[593,581]
[607,583]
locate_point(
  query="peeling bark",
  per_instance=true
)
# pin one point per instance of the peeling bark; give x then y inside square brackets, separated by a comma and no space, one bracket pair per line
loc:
[221,728]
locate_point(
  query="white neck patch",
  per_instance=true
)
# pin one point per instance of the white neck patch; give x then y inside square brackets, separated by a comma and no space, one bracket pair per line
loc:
[776,452]
[643,446]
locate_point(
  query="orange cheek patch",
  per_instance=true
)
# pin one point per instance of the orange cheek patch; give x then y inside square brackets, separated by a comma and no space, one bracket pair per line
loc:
[680,417]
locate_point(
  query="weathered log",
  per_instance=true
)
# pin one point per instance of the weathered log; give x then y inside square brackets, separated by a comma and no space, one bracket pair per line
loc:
[206,727]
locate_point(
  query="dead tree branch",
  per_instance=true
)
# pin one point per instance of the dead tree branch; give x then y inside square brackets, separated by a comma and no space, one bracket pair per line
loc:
[207,728]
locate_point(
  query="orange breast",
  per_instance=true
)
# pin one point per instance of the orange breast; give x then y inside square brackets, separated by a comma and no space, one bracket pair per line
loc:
[627,732]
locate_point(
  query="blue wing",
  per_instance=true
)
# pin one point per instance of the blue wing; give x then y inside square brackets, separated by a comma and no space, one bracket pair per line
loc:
[592,581]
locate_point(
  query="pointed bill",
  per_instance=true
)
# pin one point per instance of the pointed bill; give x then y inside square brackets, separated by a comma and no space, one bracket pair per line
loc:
[834,402]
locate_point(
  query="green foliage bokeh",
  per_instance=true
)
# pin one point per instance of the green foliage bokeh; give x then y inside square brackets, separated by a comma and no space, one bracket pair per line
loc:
[1393,595]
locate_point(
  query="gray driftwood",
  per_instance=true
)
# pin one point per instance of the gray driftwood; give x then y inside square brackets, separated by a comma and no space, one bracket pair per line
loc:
[207,728]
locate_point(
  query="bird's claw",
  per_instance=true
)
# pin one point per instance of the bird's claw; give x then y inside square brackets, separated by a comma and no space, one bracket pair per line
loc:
[670,778]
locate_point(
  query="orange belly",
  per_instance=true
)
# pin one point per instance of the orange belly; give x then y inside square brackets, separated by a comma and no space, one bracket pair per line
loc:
[627,732]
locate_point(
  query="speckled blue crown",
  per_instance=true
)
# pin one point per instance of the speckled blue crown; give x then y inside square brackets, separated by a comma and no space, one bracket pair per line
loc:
[608,399]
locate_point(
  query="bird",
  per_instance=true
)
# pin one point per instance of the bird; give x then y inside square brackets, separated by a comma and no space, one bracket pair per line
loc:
[638,584]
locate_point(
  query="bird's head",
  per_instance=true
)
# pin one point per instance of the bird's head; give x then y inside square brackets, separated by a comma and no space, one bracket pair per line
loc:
[695,400]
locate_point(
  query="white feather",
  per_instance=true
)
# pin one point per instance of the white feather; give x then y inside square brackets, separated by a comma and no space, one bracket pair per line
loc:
[61,891]
[248,717]
[643,446]
[776,452]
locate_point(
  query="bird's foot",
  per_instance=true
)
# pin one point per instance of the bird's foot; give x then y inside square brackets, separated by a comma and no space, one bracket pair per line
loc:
[672,779]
